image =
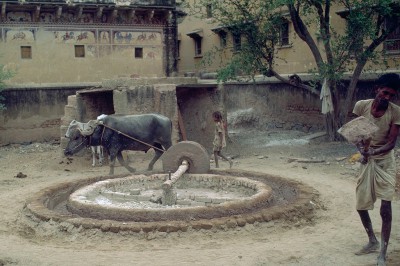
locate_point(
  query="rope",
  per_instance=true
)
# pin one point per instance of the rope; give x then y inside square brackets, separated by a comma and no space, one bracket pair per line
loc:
[126,135]
[77,146]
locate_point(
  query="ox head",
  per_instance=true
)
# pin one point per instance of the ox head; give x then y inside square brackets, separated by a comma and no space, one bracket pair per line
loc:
[78,134]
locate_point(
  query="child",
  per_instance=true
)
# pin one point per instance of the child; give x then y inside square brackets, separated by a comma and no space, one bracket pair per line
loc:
[219,139]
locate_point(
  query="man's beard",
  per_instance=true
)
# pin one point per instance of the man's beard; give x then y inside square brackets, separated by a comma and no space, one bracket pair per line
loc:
[383,104]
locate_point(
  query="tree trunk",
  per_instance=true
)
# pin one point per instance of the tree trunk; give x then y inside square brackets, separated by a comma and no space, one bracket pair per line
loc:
[329,125]
[351,92]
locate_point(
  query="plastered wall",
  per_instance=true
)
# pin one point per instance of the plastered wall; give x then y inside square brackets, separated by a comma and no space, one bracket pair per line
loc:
[37,114]
[109,52]
[33,115]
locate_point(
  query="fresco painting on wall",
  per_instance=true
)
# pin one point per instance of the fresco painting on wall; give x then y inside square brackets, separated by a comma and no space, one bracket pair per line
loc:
[149,38]
[18,36]
[19,17]
[74,37]
[104,37]
[137,38]
[91,51]
[151,54]
[122,37]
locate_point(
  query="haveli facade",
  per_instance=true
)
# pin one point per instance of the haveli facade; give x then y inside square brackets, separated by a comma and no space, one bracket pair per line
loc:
[75,41]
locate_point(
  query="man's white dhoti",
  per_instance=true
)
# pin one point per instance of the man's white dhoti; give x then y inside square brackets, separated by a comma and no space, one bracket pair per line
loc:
[377,179]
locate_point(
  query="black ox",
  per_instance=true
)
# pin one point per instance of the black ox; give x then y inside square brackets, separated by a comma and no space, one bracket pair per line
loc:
[117,133]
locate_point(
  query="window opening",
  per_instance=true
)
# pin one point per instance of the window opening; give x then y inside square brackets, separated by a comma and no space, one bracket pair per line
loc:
[222,39]
[392,43]
[138,52]
[209,11]
[197,46]
[26,52]
[237,42]
[79,51]
[284,33]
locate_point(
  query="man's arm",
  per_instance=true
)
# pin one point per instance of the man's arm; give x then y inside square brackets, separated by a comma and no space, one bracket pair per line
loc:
[390,144]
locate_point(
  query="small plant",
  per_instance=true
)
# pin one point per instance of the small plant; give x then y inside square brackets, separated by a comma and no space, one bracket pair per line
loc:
[4,75]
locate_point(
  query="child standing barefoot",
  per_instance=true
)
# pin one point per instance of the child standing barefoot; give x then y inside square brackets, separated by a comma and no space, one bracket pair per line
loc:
[219,139]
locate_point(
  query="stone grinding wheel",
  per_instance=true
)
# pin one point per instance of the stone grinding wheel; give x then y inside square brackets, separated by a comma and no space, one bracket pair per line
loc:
[193,152]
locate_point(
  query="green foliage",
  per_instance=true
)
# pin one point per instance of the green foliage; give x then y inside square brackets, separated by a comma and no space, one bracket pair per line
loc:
[258,22]
[4,75]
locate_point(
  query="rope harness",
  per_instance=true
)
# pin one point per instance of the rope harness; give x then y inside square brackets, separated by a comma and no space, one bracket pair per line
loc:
[126,135]
[77,146]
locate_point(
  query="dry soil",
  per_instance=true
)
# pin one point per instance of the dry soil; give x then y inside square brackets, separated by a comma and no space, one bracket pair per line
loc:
[330,238]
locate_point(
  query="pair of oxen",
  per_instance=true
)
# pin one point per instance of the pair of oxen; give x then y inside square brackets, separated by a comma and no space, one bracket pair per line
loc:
[116,133]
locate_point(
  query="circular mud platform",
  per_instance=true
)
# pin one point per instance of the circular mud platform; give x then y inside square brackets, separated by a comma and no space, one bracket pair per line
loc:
[274,198]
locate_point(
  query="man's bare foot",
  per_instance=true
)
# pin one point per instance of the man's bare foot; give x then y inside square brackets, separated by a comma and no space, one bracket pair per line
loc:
[369,248]
[381,261]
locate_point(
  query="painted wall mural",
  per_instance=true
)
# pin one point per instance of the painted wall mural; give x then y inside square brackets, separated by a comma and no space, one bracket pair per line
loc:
[98,43]
[91,50]
[121,37]
[152,53]
[20,36]
[82,37]
[104,37]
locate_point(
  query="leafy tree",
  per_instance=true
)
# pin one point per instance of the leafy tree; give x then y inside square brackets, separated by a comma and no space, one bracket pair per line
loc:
[368,24]
[4,75]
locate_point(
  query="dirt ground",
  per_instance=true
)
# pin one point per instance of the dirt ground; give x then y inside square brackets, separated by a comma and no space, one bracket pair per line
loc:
[330,238]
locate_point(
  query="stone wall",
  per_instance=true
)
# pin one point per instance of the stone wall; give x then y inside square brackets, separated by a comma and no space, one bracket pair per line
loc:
[272,106]
[125,96]
[37,114]
[33,114]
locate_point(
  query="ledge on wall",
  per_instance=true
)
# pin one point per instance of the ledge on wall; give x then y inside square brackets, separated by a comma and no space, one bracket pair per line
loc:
[206,77]
[52,85]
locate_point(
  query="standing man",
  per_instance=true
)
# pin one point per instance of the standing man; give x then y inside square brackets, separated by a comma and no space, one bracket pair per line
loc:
[377,178]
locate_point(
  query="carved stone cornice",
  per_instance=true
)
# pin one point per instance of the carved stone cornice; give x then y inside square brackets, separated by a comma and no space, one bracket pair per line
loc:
[134,12]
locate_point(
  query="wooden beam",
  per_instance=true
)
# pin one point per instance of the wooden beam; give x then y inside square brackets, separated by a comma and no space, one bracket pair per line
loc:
[131,15]
[79,13]
[58,13]
[151,15]
[3,11]
[99,13]
[114,15]
[37,13]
